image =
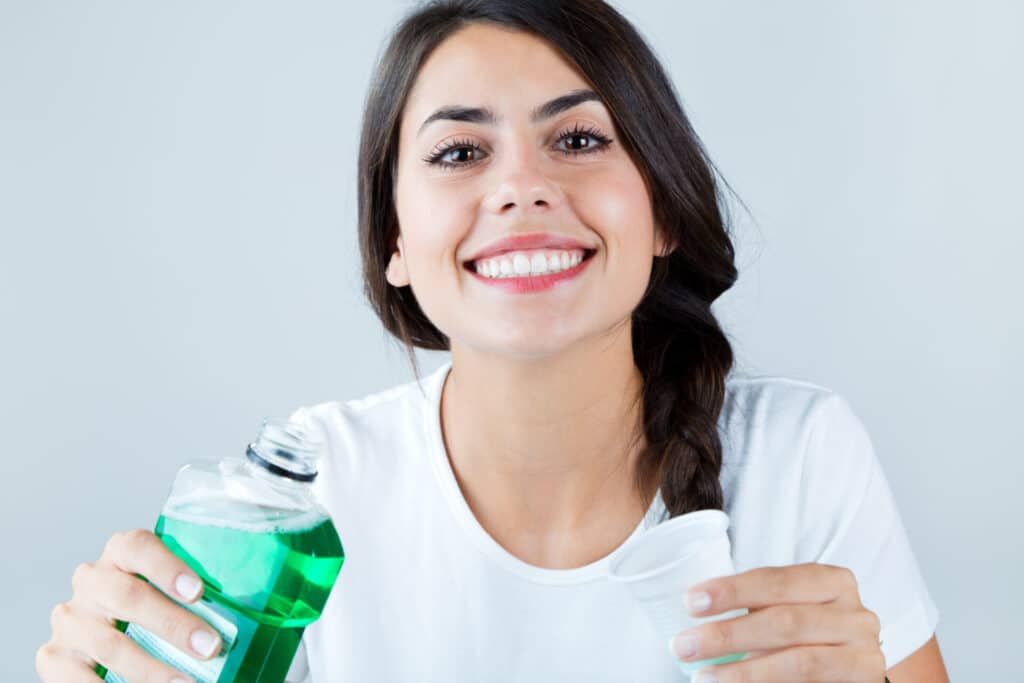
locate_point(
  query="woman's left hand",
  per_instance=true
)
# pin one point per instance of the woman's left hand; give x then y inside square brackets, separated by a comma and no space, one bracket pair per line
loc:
[806,623]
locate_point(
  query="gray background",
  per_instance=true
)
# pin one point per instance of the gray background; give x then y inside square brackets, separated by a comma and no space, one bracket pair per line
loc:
[178,255]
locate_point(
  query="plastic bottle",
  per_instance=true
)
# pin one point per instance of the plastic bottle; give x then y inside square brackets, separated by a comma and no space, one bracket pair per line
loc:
[267,553]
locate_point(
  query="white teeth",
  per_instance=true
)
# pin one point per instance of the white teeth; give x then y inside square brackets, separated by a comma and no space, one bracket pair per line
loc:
[538,264]
[521,264]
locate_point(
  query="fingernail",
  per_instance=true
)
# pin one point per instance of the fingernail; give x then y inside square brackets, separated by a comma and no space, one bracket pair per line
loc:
[180,680]
[187,586]
[204,643]
[697,602]
[704,677]
[684,645]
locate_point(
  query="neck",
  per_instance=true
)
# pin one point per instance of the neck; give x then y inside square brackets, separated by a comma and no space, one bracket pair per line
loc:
[544,449]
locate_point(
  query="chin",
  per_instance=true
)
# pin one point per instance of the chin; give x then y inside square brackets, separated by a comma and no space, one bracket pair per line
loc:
[529,343]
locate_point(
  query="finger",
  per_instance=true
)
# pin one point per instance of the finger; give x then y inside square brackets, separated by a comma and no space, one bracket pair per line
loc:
[140,552]
[56,664]
[766,586]
[118,595]
[781,626]
[95,638]
[817,663]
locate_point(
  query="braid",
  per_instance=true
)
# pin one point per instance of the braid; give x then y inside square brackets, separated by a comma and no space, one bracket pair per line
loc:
[684,358]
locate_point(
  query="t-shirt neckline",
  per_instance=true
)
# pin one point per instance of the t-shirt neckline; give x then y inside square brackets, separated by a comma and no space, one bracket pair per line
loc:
[445,476]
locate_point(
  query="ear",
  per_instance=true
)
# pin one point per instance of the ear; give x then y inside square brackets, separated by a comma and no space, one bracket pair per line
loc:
[397,274]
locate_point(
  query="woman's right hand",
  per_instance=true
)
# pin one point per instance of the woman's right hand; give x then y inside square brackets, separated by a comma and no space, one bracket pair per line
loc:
[83,628]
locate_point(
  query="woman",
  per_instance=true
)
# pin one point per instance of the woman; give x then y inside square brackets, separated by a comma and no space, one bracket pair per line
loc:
[533,199]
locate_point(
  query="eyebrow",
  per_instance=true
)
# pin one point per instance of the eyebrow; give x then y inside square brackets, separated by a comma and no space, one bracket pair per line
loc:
[484,115]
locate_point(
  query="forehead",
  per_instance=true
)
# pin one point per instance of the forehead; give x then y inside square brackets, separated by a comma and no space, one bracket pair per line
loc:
[482,65]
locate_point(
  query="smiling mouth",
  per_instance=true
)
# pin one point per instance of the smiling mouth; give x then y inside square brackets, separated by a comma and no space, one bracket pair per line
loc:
[555,261]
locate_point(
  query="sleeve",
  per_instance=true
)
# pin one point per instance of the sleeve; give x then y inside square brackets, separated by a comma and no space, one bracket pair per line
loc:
[848,517]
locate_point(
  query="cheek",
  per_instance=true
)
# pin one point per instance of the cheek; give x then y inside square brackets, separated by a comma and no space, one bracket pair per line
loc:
[433,223]
[618,208]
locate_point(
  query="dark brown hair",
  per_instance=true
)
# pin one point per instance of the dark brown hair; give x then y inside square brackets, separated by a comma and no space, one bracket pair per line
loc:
[678,345]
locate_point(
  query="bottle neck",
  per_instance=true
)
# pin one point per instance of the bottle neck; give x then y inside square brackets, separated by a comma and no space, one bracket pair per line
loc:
[284,483]
[285,449]
[279,463]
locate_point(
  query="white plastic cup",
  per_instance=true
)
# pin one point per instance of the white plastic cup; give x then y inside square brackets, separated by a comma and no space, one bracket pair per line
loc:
[659,566]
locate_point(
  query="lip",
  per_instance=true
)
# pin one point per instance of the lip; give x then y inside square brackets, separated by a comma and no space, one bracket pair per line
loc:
[534,240]
[532,284]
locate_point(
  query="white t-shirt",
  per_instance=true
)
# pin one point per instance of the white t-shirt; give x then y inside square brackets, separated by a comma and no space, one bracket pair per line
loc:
[425,594]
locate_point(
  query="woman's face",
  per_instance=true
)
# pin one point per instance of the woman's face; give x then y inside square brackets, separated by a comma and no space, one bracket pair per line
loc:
[514,175]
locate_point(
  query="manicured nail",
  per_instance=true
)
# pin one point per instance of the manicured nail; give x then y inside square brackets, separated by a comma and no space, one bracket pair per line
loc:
[703,676]
[684,645]
[187,586]
[697,602]
[204,643]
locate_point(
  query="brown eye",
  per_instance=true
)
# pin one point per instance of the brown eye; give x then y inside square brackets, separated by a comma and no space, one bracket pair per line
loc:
[582,141]
[456,154]
[578,142]
[459,155]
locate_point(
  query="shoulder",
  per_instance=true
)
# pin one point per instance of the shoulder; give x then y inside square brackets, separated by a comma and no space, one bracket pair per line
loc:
[411,398]
[776,411]
[763,396]
[798,464]
[382,422]
[793,437]
[817,418]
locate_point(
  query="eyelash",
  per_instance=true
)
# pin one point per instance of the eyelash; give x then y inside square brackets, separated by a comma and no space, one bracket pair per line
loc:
[436,156]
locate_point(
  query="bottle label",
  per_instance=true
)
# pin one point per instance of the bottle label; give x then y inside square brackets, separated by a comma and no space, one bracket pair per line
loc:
[207,671]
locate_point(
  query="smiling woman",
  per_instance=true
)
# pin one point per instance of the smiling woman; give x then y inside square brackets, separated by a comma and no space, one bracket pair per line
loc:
[533,199]
[501,136]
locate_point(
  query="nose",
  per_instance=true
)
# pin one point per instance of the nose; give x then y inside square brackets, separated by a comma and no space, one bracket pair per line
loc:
[524,186]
